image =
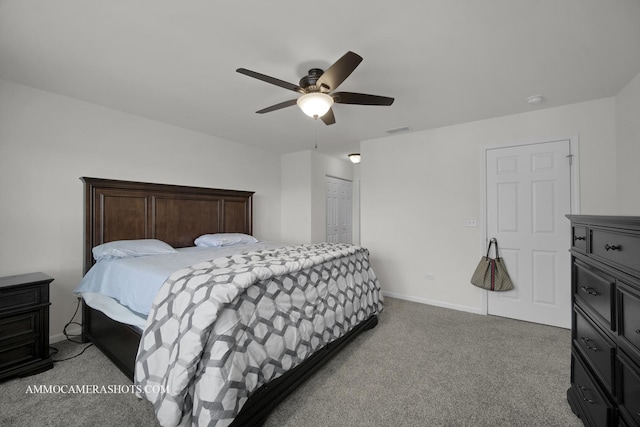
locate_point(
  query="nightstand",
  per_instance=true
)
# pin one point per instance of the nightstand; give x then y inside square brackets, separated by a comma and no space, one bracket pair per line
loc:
[24,325]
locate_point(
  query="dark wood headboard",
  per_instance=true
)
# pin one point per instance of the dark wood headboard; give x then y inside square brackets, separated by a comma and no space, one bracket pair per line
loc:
[176,214]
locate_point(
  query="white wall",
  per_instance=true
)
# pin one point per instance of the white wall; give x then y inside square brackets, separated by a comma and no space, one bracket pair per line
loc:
[417,189]
[296,197]
[356,204]
[628,147]
[48,141]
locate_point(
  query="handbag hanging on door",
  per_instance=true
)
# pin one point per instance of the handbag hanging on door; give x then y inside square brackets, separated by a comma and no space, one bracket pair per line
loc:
[491,273]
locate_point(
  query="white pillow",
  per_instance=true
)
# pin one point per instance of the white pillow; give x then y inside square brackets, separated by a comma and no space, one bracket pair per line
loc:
[131,248]
[223,239]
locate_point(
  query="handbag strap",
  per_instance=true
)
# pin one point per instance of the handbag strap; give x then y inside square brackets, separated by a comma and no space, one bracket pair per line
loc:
[491,242]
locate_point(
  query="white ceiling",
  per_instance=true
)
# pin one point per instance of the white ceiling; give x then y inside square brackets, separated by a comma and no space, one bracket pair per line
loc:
[444,61]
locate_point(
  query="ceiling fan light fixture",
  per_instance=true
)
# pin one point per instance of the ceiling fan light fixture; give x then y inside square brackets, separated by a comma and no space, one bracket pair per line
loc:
[354,157]
[315,104]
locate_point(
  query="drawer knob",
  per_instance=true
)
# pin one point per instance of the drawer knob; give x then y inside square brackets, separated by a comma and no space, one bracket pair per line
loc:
[578,238]
[589,291]
[586,342]
[612,247]
[637,331]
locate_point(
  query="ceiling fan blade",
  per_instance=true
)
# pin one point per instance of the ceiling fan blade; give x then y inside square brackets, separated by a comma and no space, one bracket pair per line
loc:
[271,80]
[361,99]
[339,71]
[284,104]
[328,118]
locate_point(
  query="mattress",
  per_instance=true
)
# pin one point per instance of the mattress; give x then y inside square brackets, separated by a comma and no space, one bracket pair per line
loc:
[114,310]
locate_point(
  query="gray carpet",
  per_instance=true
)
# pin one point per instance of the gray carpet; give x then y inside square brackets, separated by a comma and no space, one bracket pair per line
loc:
[421,366]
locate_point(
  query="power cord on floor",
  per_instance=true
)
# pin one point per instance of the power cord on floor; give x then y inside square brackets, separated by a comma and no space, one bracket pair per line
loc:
[71,357]
[71,337]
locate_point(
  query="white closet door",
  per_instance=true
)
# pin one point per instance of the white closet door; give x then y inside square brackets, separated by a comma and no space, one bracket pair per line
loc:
[339,226]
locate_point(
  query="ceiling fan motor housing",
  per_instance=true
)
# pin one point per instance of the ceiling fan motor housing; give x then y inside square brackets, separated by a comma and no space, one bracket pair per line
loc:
[310,80]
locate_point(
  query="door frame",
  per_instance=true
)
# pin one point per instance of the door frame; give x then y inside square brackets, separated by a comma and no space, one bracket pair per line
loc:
[574,150]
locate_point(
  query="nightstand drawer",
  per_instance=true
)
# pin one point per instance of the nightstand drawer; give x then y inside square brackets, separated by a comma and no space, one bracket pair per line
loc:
[16,298]
[596,289]
[597,349]
[18,353]
[629,389]
[629,306]
[616,247]
[20,325]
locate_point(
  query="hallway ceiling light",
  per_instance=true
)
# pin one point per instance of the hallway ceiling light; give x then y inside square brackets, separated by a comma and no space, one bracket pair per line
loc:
[534,99]
[354,157]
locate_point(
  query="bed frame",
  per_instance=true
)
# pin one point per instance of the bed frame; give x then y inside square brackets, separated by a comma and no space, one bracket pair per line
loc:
[117,210]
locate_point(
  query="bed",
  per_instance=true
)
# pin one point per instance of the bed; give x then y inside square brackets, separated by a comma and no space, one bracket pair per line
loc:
[122,210]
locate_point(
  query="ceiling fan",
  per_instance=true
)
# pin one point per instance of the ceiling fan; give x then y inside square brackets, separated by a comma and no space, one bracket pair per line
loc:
[318,89]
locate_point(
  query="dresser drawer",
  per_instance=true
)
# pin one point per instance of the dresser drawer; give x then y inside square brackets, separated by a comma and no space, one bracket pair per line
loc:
[596,348]
[629,316]
[617,247]
[629,390]
[597,408]
[18,353]
[579,238]
[596,290]
[20,325]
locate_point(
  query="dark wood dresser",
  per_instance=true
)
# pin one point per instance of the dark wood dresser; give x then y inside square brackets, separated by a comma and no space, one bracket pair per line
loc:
[24,325]
[605,360]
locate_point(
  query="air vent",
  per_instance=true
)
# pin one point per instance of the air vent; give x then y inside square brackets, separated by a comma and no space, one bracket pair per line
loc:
[398,130]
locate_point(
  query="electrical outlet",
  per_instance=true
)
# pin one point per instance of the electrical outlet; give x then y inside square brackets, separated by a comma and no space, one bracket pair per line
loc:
[430,276]
[471,222]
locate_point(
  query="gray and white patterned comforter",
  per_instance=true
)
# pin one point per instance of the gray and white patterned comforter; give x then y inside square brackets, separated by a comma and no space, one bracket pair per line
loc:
[220,329]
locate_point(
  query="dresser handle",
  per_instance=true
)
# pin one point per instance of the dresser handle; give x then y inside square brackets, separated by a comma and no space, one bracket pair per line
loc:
[578,238]
[586,342]
[582,390]
[589,291]
[612,247]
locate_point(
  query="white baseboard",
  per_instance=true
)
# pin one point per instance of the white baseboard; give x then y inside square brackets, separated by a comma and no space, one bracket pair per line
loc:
[474,310]
[72,330]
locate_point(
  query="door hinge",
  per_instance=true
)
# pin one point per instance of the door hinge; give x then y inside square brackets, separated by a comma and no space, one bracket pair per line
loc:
[570,157]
